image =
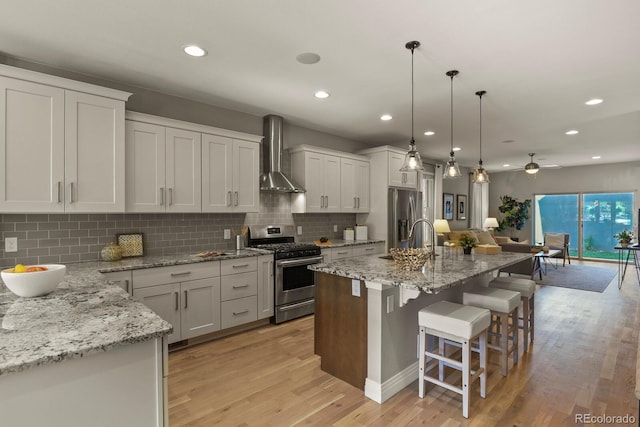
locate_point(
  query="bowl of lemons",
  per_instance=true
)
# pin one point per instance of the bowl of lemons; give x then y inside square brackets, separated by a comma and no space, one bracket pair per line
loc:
[33,280]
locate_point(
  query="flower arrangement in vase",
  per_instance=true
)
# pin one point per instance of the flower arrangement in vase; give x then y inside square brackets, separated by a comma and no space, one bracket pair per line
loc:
[624,238]
[467,242]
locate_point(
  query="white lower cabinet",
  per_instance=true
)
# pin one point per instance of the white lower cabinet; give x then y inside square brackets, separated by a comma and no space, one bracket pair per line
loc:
[344,252]
[122,279]
[371,249]
[265,286]
[239,291]
[187,296]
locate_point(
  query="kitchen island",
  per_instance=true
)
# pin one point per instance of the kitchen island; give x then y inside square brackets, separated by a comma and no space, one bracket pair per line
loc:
[366,321]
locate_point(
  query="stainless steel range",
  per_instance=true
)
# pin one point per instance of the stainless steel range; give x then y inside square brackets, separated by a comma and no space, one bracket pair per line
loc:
[295,285]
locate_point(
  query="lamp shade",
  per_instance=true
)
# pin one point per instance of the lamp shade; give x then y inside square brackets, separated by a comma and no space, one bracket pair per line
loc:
[491,223]
[441,226]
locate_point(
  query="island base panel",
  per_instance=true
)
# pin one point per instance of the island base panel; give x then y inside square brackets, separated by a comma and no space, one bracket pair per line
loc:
[341,329]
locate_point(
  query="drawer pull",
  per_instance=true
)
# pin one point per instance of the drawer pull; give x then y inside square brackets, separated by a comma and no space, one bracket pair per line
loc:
[161,196]
[182,273]
[240,265]
[186,296]
[177,296]
[368,249]
[126,284]
[343,253]
[237,313]
[240,286]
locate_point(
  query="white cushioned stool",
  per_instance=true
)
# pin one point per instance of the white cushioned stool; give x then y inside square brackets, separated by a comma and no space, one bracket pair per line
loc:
[503,304]
[461,324]
[527,289]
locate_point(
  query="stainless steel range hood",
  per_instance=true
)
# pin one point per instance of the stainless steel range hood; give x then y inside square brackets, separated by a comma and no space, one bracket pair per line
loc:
[273,179]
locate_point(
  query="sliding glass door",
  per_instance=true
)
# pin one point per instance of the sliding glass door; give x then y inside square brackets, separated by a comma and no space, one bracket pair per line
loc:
[591,219]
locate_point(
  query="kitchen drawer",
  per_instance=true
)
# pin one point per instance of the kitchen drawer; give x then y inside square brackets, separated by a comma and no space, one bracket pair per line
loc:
[240,285]
[372,249]
[238,265]
[239,311]
[175,273]
[341,253]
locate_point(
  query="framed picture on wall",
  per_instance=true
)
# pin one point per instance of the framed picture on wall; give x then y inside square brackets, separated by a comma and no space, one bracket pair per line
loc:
[447,206]
[461,207]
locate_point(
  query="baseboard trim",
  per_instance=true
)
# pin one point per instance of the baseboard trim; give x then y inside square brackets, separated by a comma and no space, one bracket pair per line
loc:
[381,392]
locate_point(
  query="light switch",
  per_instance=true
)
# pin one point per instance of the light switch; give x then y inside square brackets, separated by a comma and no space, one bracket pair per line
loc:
[11,244]
[335,228]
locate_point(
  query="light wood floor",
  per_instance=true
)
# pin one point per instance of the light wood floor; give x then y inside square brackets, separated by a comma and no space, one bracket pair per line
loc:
[583,360]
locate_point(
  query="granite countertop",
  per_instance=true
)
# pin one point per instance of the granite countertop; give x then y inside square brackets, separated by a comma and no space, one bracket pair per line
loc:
[343,243]
[450,268]
[84,315]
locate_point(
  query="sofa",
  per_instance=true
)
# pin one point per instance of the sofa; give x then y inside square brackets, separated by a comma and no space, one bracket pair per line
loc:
[485,238]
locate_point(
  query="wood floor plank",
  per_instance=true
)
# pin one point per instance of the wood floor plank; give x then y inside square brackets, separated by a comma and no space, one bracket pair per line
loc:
[583,360]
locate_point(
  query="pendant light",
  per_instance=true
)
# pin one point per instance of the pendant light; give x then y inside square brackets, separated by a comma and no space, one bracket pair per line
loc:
[532,167]
[412,161]
[451,169]
[480,175]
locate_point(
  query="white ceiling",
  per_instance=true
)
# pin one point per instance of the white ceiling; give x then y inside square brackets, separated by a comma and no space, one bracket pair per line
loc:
[539,61]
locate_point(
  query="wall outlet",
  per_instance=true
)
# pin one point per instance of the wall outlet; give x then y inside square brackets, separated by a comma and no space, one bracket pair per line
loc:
[227,233]
[390,304]
[11,244]
[335,228]
[355,287]
[299,230]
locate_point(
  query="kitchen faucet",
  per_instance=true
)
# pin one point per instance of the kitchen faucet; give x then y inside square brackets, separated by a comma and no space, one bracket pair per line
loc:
[433,236]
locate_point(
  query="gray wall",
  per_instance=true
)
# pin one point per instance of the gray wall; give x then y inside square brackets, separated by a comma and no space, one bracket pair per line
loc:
[457,186]
[616,177]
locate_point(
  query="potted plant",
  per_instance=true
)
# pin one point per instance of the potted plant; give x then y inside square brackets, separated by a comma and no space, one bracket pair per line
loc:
[515,214]
[467,242]
[624,238]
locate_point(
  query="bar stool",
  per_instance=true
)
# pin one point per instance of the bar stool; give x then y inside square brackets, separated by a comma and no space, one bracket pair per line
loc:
[460,324]
[503,304]
[527,289]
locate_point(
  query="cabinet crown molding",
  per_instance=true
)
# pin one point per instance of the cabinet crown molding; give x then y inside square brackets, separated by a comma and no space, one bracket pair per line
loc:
[195,127]
[320,150]
[62,83]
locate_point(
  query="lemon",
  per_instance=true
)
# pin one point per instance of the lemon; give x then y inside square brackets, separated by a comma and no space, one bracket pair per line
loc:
[19,268]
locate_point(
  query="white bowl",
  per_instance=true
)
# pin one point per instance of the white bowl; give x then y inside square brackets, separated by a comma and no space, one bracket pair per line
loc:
[35,283]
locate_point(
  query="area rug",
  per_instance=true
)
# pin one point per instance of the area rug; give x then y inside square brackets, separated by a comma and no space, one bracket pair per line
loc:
[582,277]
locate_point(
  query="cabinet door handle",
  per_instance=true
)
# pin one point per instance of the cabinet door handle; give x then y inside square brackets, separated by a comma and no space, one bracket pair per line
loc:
[170,196]
[355,203]
[343,252]
[236,313]
[358,202]
[240,286]
[236,202]
[186,304]
[228,198]
[161,196]
[126,285]
[71,193]
[180,273]
[322,201]
[176,296]
[59,191]
[240,265]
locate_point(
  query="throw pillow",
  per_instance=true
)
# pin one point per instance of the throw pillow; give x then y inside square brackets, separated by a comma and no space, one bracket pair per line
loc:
[485,238]
[454,236]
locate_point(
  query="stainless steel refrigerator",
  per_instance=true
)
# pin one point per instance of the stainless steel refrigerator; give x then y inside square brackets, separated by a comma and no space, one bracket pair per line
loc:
[405,206]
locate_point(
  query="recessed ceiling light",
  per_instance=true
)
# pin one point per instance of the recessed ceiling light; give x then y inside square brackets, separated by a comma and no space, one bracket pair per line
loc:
[506,165]
[308,58]
[594,101]
[457,148]
[571,132]
[386,117]
[429,133]
[595,157]
[321,94]
[194,50]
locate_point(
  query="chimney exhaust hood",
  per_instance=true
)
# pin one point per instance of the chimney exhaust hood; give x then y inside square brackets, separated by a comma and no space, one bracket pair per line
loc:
[273,179]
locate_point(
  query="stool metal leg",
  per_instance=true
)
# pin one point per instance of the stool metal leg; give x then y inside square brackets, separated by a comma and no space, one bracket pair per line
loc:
[482,341]
[525,323]
[504,342]
[514,324]
[442,349]
[466,361]
[532,316]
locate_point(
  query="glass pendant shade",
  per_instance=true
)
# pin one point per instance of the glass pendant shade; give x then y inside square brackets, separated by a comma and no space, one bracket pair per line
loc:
[412,161]
[480,175]
[451,169]
[532,167]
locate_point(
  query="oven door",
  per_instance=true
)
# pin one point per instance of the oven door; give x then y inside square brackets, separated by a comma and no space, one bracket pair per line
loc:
[294,282]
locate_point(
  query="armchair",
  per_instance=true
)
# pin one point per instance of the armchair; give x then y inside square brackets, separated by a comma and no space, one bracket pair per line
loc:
[559,241]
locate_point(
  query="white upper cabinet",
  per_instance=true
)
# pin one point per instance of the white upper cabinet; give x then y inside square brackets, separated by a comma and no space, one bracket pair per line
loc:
[354,189]
[62,144]
[319,173]
[163,169]
[397,178]
[230,174]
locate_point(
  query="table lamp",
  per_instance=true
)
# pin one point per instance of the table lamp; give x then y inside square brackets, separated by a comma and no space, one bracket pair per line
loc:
[490,224]
[441,226]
